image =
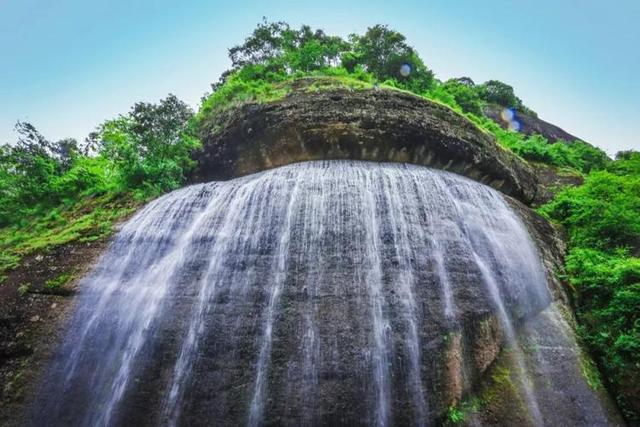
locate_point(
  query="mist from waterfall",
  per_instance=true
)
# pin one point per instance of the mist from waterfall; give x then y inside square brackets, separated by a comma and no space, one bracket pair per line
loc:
[315,291]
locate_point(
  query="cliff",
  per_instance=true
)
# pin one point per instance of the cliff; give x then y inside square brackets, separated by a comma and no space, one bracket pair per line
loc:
[281,246]
[377,125]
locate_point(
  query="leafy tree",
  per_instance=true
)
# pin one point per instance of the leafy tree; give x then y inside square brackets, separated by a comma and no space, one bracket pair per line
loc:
[496,92]
[280,49]
[30,165]
[627,163]
[30,172]
[466,81]
[465,95]
[148,149]
[150,146]
[384,52]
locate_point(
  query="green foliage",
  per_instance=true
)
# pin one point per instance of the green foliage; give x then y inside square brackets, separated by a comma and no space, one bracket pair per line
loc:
[24,289]
[602,218]
[254,83]
[58,285]
[590,373]
[28,171]
[150,147]
[497,92]
[384,52]
[250,83]
[455,415]
[86,220]
[465,95]
[603,213]
[577,155]
[147,151]
[283,49]
[458,414]
[471,98]
[54,193]
[277,51]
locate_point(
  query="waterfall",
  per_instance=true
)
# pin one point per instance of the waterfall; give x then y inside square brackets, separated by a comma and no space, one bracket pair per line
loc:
[315,292]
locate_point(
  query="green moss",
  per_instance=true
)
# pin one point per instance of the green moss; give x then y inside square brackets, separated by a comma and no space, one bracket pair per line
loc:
[590,372]
[458,414]
[24,289]
[58,285]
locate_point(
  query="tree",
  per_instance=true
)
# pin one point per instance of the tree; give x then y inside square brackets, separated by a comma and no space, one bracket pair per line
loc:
[465,81]
[280,49]
[496,92]
[29,170]
[385,53]
[150,146]
[32,163]
[465,95]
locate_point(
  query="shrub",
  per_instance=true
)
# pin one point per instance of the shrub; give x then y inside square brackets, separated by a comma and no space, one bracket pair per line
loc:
[602,218]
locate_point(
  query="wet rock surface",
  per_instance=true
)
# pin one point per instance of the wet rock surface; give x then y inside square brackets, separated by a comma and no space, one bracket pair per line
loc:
[32,320]
[324,293]
[378,125]
[316,294]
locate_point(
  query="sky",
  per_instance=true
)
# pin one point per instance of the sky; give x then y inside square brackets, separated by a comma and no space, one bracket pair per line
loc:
[68,65]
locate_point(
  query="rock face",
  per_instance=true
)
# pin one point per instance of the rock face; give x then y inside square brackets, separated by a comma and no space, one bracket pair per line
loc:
[530,125]
[331,292]
[551,180]
[377,125]
[31,321]
[325,293]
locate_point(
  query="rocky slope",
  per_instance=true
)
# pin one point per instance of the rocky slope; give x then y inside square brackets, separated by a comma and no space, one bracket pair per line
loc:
[530,125]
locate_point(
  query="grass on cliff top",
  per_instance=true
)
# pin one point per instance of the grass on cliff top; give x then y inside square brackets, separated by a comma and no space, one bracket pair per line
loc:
[249,86]
[89,220]
[246,86]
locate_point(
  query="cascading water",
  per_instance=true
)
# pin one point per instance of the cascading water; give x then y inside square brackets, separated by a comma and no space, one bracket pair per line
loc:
[312,293]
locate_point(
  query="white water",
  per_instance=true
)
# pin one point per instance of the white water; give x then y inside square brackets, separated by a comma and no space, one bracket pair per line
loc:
[309,284]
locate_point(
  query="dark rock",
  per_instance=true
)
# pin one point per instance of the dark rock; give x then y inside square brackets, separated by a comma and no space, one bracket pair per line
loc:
[530,125]
[551,180]
[377,125]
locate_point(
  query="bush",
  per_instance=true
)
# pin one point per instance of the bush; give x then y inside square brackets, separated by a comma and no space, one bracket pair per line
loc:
[602,218]
[150,148]
[577,155]
[147,151]
[466,96]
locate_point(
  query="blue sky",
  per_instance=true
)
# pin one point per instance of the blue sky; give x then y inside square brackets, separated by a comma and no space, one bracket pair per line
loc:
[70,64]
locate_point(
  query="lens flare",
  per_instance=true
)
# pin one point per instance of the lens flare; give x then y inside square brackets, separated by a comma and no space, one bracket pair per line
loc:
[507,114]
[405,70]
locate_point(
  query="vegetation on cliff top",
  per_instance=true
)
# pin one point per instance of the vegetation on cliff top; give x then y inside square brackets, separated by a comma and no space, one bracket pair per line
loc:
[52,193]
[265,67]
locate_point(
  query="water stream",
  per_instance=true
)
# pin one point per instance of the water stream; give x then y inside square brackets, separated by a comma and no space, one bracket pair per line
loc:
[312,292]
